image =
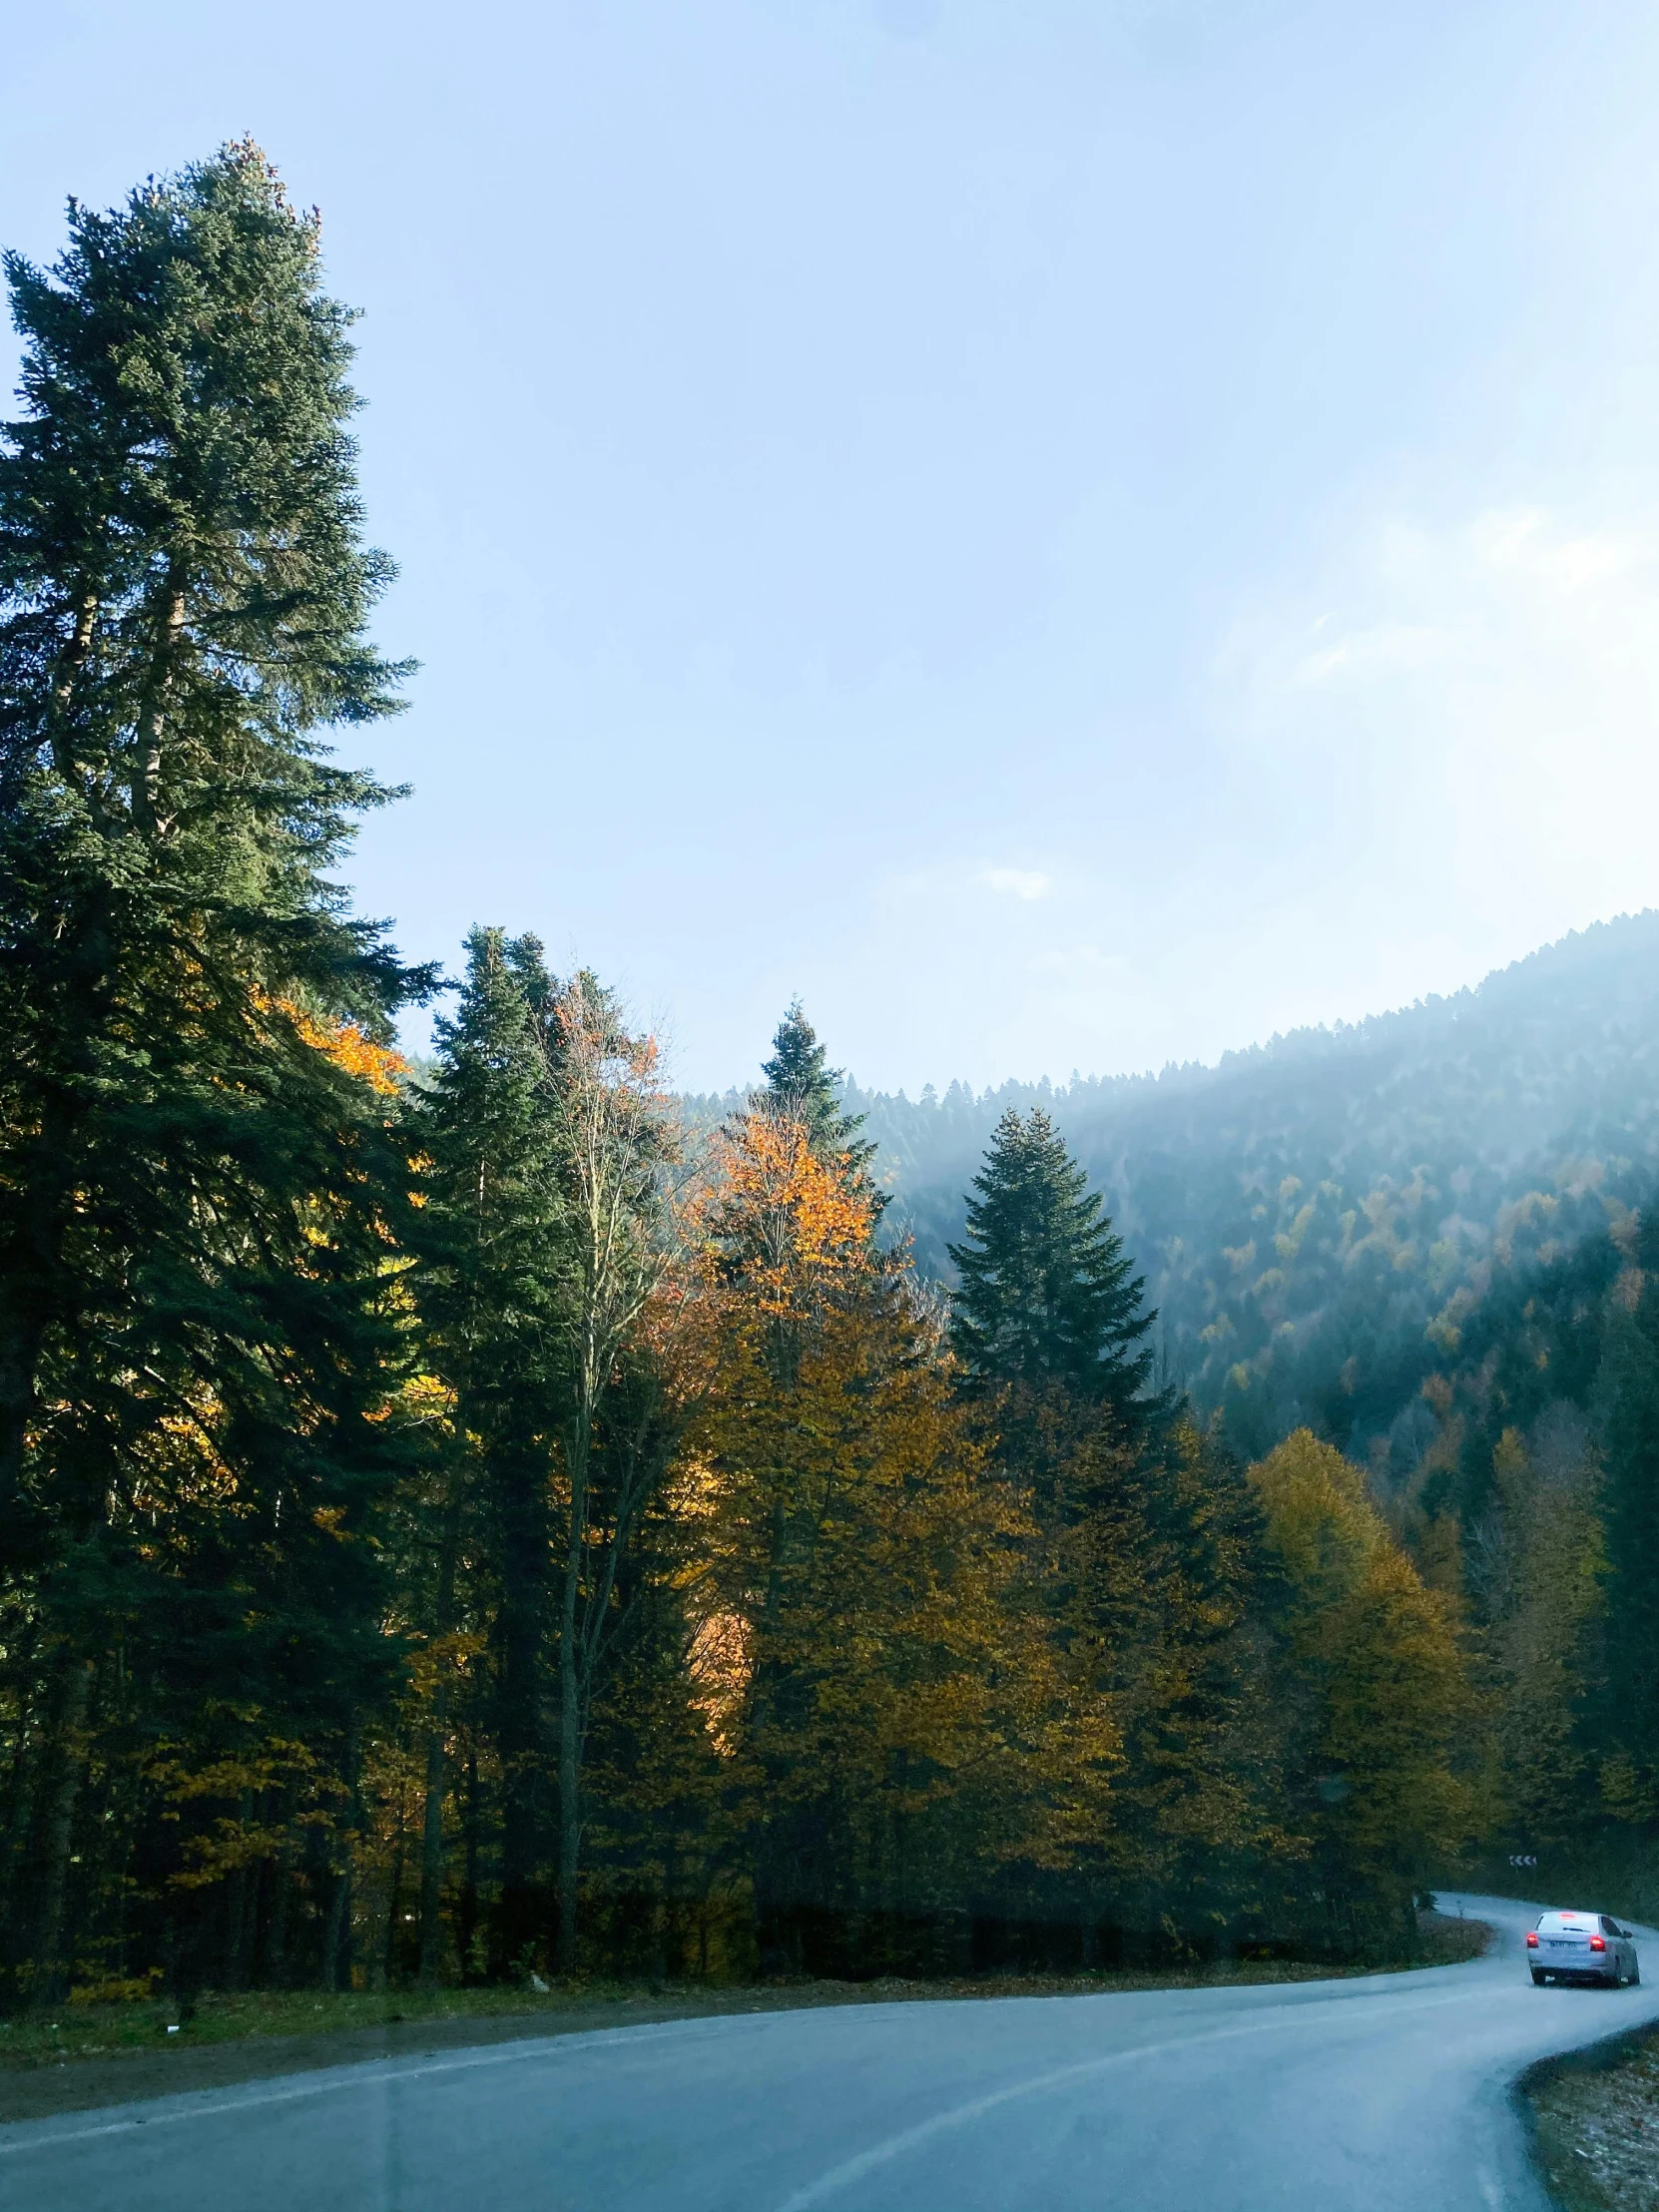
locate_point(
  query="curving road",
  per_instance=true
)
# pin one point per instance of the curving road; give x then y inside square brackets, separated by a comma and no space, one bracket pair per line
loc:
[1369,2094]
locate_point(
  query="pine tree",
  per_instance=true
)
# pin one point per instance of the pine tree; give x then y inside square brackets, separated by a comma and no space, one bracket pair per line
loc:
[1047,1296]
[802,1086]
[1158,1567]
[195,1178]
[496,1266]
[545,1139]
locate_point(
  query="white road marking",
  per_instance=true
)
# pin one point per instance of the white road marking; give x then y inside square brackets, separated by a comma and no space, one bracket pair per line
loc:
[961,2116]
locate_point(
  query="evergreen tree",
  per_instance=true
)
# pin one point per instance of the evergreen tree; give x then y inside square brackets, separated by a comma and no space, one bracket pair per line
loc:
[195,1179]
[802,1086]
[1159,1569]
[1047,1296]
[495,1255]
[545,1140]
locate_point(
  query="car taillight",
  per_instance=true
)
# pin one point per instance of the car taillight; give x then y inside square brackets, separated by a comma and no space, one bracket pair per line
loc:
[1598,1943]
[1532,1943]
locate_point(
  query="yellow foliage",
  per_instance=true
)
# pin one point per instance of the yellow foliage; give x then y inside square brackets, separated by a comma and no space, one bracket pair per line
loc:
[865,1651]
[426,1398]
[131,1989]
[721,1669]
[252,1779]
[343,1042]
[776,1215]
[1321,1522]
[1379,1656]
[1544,1567]
[441,1659]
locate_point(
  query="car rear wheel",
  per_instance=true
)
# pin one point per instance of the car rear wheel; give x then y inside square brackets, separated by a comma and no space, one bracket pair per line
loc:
[1537,1979]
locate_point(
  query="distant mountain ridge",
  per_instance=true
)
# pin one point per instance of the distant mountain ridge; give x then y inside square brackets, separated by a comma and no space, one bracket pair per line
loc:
[1316,1217]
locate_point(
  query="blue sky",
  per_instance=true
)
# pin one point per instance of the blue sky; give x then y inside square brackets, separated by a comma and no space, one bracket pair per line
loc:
[1069,535]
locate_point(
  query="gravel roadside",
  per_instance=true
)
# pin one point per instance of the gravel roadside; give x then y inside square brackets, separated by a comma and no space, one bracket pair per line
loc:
[1597,2118]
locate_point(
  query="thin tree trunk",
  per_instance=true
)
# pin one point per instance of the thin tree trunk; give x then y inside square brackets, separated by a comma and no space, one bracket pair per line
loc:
[389,1949]
[14,1829]
[570,1706]
[281,1885]
[431,1847]
[337,1945]
[607,1115]
[230,1976]
[431,1836]
[148,767]
[241,1919]
[668,1918]
[523,1621]
[776,1863]
[30,1297]
[66,1752]
[469,1877]
[63,701]
[339,1916]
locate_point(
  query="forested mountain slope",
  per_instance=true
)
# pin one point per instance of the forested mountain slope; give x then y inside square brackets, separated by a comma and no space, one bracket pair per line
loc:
[1318,1217]
[440,1539]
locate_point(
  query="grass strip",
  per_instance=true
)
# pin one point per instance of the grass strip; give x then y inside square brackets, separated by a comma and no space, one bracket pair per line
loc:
[88,2054]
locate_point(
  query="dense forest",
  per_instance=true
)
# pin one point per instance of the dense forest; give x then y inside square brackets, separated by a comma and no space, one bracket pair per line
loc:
[480,1520]
[1316,1216]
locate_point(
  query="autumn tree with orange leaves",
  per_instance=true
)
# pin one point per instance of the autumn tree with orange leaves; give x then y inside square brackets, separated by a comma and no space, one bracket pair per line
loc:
[896,1722]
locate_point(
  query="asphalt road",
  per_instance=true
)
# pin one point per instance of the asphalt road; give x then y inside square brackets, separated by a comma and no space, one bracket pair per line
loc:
[1391,2091]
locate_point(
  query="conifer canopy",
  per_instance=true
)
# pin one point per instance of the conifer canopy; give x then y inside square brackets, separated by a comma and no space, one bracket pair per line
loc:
[1047,1295]
[802,1085]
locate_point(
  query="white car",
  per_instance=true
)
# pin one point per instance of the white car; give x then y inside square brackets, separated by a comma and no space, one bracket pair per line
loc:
[1583,1946]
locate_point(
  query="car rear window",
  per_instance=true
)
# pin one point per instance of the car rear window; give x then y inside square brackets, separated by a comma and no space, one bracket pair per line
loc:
[1565,1922]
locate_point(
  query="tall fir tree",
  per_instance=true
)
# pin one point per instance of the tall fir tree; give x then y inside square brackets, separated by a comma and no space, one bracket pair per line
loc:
[496,1265]
[195,1176]
[802,1085]
[545,1141]
[1047,1296]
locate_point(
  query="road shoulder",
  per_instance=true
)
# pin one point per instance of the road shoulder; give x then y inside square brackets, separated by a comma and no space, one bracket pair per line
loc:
[1594,2116]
